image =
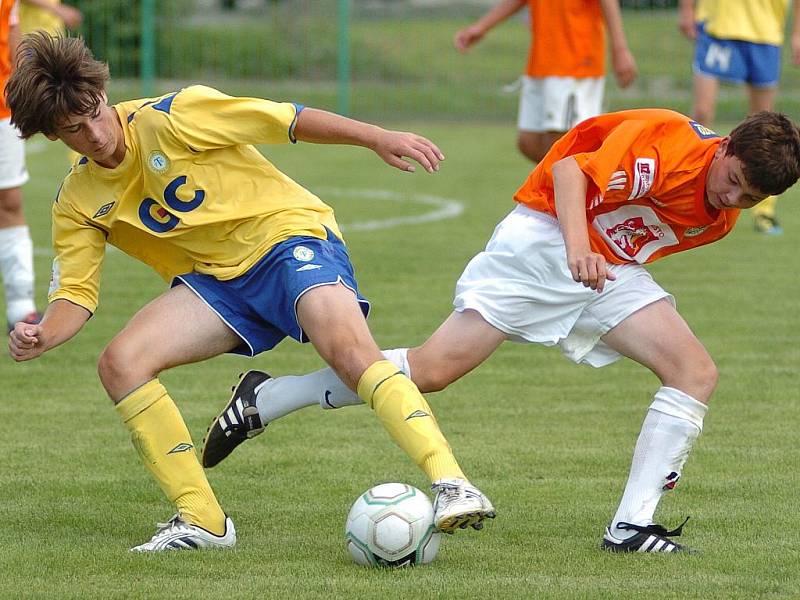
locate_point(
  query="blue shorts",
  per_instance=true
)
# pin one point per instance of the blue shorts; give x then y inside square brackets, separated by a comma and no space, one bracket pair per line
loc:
[734,61]
[260,306]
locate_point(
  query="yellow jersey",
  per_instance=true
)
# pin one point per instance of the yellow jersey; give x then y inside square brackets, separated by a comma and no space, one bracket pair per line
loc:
[33,18]
[756,21]
[191,194]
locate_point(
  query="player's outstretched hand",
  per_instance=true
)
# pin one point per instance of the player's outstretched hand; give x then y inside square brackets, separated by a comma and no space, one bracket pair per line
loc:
[24,342]
[396,146]
[467,37]
[591,270]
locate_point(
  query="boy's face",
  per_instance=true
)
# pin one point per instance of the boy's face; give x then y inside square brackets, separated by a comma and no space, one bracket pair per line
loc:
[726,186]
[97,136]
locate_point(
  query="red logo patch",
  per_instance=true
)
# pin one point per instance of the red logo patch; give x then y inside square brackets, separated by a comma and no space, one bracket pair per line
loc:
[632,235]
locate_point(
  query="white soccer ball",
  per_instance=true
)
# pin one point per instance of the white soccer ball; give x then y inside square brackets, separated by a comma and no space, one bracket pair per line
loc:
[391,525]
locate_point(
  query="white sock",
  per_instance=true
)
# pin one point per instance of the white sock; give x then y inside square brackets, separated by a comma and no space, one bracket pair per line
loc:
[16,268]
[671,426]
[283,395]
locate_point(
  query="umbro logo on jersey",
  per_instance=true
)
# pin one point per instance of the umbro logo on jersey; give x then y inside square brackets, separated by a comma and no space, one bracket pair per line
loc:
[103,210]
[182,447]
[308,268]
[416,414]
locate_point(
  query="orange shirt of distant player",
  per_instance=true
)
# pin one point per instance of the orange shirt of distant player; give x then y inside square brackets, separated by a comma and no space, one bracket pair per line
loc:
[568,39]
[6,7]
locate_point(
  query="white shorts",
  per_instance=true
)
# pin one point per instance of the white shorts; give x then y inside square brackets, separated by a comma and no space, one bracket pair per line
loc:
[12,156]
[558,103]
[522,286]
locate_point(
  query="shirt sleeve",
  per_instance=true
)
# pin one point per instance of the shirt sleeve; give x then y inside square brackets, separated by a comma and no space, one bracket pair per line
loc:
[79,252]
[206,119]
[605,165]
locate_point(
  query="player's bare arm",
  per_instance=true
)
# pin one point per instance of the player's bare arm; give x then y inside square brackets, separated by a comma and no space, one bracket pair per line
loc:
[61,321]
[570,185]
[624,64]
[469,36]
[322,127]
[686,19]
[795,39]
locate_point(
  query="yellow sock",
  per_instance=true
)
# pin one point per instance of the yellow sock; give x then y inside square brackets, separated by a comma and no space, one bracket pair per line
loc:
[766,208]
[160,437]
[409,420]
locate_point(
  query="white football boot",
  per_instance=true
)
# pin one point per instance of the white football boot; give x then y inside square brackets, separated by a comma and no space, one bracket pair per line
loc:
[177,534]
[458,505]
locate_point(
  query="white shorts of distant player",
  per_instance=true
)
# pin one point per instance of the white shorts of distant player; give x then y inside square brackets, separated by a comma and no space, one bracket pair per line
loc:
[558,103]
[12,157]
[522,286]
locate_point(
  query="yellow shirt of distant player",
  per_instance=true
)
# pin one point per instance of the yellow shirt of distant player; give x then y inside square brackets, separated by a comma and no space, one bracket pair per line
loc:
[757,21]
[192,193]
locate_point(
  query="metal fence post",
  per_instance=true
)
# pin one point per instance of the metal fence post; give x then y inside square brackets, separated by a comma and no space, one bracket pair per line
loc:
[343,63]
[147,64]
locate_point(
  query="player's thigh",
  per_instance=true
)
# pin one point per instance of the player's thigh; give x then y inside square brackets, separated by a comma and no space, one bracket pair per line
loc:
[459,345]
[657,337]
[176,328]
[332,318]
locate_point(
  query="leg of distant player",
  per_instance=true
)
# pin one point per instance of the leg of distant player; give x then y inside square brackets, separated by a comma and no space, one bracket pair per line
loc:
[535,144]
[16,258]
[658,338]
[176,328]
[764,213]
[705,99]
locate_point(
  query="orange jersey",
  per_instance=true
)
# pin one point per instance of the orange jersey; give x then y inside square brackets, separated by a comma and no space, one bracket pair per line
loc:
[8,17]
[646,171]
[568,39]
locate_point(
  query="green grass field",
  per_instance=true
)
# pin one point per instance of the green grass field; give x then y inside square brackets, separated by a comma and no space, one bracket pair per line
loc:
[550,442]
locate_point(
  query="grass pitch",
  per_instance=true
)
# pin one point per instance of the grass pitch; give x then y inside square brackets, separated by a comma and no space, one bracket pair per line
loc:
[550,442]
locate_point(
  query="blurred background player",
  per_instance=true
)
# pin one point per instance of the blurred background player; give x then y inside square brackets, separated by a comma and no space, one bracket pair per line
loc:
[50,16]
[16,247]
[565,74]
[739,42]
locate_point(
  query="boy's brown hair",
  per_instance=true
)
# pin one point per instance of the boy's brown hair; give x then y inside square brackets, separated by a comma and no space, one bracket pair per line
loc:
[768,144]
[54,78]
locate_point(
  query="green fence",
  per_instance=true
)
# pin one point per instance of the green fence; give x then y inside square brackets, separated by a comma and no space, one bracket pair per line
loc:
[401,63]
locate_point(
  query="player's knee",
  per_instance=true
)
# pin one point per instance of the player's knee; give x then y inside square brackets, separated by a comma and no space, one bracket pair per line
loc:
[431,378]
[10,203]
[704,115]
[531,148]
[120,369]
[700,376]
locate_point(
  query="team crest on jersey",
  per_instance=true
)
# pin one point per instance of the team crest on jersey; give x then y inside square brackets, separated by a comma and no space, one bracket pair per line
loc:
[157,162]
[703,132]
[103,210]
[633,234]
[303,254]
[694,231]
[644,173]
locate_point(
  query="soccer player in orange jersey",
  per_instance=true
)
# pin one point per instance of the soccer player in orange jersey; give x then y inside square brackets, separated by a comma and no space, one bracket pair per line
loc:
[565,269]
[16,247]
[565,72]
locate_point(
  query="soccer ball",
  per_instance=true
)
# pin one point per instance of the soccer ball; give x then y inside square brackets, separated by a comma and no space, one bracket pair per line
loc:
[391,525]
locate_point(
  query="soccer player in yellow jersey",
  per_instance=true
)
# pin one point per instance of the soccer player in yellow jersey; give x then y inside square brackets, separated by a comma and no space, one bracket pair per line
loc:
[739,41]
[252,257]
